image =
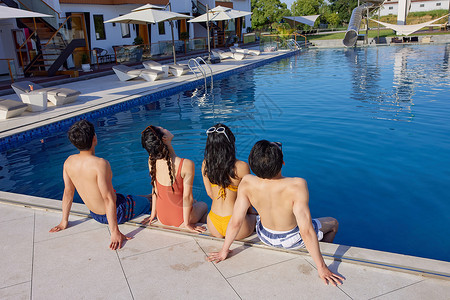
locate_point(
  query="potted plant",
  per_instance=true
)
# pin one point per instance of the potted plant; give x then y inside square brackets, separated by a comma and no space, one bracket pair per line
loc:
[139,50]
[85,65]
[184,35]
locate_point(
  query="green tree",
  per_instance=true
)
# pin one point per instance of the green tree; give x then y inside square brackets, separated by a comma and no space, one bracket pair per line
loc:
[306,7]
[327,16]
[266,12]
[344,8]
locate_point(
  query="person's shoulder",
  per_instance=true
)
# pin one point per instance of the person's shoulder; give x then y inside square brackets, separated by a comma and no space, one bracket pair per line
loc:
[248,179]
[188,165]
[187,162]
[242,168]
[100,163]
[297,181]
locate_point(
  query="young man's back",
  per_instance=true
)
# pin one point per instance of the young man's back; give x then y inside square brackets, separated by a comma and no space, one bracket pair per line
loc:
[274,199]
[91,176]
[84,172]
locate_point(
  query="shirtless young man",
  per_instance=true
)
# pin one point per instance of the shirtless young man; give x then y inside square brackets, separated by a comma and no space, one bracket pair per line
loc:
[284,219]
[91,176]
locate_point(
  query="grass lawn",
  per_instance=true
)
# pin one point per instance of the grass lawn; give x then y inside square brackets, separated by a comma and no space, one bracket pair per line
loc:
[372,34]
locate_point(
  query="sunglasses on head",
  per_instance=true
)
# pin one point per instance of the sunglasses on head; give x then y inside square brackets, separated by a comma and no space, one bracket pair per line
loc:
[278,144]
[218,130]
[149,127]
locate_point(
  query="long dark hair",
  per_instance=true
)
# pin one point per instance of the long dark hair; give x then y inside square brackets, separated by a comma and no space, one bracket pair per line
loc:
[151,140]
[220,157]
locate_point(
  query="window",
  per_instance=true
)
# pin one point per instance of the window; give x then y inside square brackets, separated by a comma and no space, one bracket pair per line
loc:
[161,28]
[391,7]
[99,27]
[422,5]
[125,30]
[438,4]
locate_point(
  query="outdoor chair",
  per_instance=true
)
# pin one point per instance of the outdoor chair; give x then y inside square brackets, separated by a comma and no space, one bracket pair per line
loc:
[102,55]
[245,51]
[56,95]
[125,73]
[11,108]
[176,69]
[223,55]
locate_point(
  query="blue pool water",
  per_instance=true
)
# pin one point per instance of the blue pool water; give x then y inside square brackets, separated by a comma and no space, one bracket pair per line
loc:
[367,128]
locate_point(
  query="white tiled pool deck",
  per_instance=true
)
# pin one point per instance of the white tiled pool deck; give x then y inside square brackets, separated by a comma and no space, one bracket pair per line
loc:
[165,264]
[159,264]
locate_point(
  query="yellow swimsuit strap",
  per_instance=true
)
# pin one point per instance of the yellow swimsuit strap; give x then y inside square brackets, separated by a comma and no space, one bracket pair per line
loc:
[232,188]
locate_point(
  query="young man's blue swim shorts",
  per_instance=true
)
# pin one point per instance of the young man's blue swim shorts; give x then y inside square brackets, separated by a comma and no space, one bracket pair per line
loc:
[128,208]
[285,239]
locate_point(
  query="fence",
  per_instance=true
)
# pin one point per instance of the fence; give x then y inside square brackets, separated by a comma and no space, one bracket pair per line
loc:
[163,49]
[273,42]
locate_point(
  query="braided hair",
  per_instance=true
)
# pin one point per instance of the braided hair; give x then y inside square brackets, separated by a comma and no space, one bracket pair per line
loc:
[151,140]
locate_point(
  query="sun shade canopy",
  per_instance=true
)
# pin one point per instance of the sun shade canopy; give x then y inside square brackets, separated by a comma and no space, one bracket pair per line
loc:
[308,20]
[408,29]
[149,15]
[220,13]
[11,13]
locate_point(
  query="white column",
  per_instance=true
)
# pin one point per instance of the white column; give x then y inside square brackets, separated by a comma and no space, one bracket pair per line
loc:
[403,10]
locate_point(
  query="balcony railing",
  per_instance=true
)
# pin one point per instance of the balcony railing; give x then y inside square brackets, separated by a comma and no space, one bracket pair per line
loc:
[163,49]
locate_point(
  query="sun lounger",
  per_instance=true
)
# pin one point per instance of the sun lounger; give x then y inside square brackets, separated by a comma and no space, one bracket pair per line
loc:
[56,95]
[125,73]
[176,70]
[223,55]
[11,108]
[245,51]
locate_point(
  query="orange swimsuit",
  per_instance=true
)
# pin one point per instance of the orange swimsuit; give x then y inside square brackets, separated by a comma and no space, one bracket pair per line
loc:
[169,204]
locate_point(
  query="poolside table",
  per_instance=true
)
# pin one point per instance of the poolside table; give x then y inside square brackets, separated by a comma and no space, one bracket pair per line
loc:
[37,101]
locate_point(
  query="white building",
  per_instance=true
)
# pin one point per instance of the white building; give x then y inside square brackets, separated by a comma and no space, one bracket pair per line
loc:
[86,22]
[390,7]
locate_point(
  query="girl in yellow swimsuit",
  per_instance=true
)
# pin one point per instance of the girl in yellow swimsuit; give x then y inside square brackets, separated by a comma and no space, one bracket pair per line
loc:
[222,173]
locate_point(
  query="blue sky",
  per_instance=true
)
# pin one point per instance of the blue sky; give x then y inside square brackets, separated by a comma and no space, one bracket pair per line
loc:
[288,2]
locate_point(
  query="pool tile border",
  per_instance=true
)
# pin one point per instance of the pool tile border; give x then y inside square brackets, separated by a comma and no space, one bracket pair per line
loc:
[18,139]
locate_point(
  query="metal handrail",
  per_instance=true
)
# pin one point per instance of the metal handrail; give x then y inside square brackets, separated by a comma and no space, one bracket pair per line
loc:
[56,32]
[21,46]
[197,67]
[210,70]
[294,33]
[8,60]
[59,16]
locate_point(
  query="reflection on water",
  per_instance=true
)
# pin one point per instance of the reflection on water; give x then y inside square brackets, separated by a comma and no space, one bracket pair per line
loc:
[335,111]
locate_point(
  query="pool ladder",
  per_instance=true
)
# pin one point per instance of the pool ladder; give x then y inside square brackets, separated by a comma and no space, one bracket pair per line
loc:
[196,67]
[292,44]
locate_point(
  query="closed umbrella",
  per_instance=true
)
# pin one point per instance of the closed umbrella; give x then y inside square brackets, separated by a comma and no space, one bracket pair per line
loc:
[11,13]
[151,14]
[218,13]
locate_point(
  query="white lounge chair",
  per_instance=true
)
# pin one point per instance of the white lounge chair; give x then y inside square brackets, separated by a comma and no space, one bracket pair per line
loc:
[176,69]
[56,95]
[125,73]
[245,51]
[11,108]
[222,54]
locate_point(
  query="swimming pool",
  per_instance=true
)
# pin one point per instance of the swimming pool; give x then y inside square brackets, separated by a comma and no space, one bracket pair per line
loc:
[367,128]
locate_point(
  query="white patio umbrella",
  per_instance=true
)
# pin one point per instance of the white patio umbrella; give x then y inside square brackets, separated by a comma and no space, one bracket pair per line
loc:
[12,13]
[218,13]
[151,14]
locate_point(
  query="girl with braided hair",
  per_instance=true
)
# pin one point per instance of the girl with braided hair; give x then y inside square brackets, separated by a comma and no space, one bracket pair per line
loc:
[172,178]
[222,173]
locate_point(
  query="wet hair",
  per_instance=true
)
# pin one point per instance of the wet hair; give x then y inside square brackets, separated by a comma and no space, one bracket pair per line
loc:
[151,140]
[81,135]
[220,157]
[265,159]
